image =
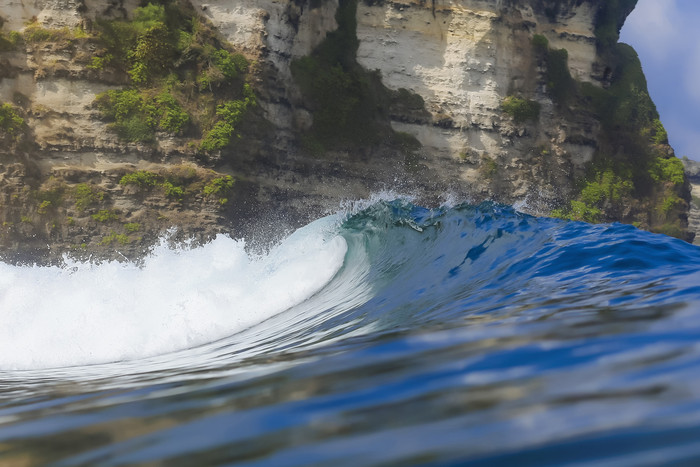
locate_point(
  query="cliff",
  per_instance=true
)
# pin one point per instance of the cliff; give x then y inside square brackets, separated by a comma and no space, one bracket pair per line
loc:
[125,119]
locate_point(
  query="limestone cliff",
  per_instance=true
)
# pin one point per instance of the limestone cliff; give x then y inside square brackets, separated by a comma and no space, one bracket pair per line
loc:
[529,101]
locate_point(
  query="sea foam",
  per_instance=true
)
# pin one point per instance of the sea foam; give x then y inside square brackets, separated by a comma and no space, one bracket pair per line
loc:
[85,313]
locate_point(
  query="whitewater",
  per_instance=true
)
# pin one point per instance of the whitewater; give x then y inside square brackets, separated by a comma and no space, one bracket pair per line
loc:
[385,334]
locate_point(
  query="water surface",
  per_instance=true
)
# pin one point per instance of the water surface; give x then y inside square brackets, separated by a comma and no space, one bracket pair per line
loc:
[394,335]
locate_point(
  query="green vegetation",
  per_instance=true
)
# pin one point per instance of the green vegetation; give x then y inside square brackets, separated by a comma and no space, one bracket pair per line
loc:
[132,227]
[605,187]
[105,215]
[44,206]
[578,211]
[165,37]
[540,42]
[667,170]
[11,124]
[86,195]
[173,191]
[670,203]
[179,182]
[488,168]
[560,84]
[169,114]
[122,239]
[9,41]
[521,109]
[660,136]
[136,115]
[223,67]
[50,197]
[99,63]
[230,114]
[219,187]
[144,46]
[603,190]
[140,178]
[146,180]
[35,33]
[183,79]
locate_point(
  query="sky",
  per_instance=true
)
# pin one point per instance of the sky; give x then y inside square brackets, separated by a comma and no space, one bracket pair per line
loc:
[666,35]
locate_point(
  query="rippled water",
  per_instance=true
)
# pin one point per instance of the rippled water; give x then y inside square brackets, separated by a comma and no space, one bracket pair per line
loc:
[392,336]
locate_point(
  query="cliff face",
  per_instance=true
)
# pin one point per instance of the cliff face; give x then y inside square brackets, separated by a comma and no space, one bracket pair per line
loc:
[511,100]
[464,58]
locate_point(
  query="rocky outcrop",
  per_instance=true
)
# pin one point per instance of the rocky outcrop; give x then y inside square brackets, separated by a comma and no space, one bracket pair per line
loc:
[479,99]
[692,171]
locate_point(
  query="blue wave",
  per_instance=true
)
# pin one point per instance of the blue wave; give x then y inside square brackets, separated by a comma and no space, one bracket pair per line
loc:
[467,262]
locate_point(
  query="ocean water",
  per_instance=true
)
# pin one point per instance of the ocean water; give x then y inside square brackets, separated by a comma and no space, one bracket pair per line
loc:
[387,334]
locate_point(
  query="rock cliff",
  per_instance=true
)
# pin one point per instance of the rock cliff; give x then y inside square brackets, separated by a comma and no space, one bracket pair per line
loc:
[124,119]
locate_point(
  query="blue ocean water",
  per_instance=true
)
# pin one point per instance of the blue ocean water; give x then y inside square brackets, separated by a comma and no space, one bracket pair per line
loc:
[389,335]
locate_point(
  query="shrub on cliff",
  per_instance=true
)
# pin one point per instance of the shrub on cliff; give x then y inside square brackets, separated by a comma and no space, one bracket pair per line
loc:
[136,115]
[140,178]
[11,124]
[606,188]
[660,136]
[222,67]
[540,42]
[172,118]
[9,41]
[230,114]
[151,55]
[219,187]
[86,195]
[667,170]
[521,109]
[608,21]
[145,45]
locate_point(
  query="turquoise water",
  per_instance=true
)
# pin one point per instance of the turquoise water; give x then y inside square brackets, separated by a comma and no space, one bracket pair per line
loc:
[392,335]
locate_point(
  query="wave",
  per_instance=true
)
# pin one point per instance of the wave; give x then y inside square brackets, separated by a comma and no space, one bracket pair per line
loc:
[386,266]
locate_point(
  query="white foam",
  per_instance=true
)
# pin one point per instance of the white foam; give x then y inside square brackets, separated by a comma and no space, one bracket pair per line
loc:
[92,313]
